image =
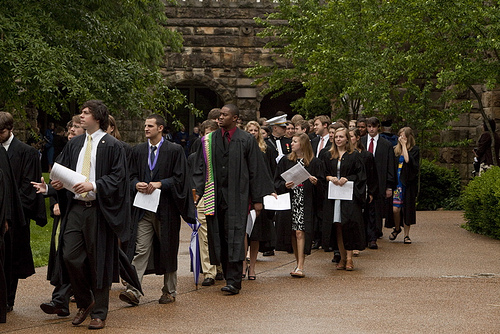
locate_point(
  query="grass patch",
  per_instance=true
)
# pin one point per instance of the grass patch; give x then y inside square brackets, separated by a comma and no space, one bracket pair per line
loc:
[40,237]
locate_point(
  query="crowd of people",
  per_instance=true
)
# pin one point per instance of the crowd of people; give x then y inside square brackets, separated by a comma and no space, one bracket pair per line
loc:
[218,179]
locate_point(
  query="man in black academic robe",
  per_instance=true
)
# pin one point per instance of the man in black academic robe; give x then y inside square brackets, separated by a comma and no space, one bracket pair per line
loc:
[278,146]
[96,216]
[240,179]
[383,154]
[11,213]
[26,167]
[157,164]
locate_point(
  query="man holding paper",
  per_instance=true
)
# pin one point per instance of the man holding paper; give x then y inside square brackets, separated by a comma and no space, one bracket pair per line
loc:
[157,166]
[97,214]
[230,173]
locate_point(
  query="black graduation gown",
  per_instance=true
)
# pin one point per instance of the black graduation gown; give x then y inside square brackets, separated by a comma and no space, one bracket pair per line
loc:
[263,228]
[113,209]
[171,171]
[353,231]
[409,178]
[248,182]
[281,234]
[4,206]
[313,196]
[26,167]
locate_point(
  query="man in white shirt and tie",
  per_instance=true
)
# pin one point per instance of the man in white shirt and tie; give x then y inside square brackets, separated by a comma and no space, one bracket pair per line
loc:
[96,214]
[321,140]
[383,154]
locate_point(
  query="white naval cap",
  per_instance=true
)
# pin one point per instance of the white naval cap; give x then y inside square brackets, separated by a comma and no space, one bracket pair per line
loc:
[278,120]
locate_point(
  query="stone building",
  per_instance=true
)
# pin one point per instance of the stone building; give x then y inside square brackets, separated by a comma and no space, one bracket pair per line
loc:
[220,43]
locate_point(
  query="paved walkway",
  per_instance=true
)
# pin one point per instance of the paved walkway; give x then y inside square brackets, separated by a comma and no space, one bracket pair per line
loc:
[447,281]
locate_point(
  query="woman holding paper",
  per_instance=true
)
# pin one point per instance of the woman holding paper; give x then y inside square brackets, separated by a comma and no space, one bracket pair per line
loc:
[343,164]
[306,197]
[404,198]
[264,222]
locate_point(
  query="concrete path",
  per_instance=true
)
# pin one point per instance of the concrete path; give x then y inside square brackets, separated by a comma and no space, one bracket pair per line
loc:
[447,281]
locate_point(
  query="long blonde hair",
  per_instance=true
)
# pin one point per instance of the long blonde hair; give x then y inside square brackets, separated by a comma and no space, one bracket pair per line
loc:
[305,147]
[334,151]
[260,140]
[410,141]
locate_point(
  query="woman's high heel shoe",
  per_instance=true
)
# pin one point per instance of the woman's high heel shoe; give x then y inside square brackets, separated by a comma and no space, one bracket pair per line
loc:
[341,265]
[349,266]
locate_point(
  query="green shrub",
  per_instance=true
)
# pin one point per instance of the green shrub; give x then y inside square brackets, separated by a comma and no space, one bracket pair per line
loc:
[439,187]
[481,202]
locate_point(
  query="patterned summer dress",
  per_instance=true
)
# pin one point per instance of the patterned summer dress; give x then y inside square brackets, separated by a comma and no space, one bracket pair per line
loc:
[397,198]
[298,205]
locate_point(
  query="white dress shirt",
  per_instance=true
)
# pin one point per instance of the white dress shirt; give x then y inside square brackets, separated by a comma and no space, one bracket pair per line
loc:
[96,138]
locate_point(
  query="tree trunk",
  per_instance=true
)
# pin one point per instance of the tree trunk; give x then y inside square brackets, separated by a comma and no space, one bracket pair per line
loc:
[488,126]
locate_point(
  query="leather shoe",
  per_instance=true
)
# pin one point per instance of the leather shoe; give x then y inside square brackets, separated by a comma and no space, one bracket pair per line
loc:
[268,253]
[166,298]
[336,257]
[373,245]
[219,277]
[230,289]
[208,281]
[51,308]
[129,297]
[82,314]
[316,244]
[97,323]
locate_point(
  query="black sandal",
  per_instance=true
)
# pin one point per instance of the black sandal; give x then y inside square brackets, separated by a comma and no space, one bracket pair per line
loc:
[394,233]
[407,240]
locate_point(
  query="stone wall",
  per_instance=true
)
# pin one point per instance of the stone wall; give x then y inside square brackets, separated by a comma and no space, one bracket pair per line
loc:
[468,126]
[220,43]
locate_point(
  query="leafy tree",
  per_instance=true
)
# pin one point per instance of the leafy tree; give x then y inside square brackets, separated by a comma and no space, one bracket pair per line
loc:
[408,59]
[54,52]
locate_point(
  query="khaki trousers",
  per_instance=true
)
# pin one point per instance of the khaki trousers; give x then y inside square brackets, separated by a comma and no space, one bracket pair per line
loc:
[146,229]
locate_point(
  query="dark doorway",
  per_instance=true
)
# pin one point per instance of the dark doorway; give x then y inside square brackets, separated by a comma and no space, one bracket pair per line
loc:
[271,105]
[202,97]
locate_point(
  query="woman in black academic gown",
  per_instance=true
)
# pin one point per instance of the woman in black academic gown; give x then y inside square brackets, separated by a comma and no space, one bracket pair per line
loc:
[305,197]
[404,198]
[343,164]
[371,172]
[263,226]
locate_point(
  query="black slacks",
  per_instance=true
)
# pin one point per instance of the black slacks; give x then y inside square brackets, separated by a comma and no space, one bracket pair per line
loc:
[79,254]
[232,270]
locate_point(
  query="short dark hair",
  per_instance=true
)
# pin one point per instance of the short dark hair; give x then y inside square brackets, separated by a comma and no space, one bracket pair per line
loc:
[6,121]
[373,121]
[361,120]
[303,125]
[214,114]
[158,119]
[208,124]
[100,112]
[235,111]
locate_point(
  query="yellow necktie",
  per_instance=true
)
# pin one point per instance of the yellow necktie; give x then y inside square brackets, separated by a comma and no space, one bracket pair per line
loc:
[86,161]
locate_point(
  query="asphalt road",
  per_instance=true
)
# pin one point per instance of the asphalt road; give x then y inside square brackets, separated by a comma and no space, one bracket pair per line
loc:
[447,281]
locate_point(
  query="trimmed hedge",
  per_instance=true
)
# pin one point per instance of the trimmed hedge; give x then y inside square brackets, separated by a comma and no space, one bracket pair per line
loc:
[481,202]
[439,187]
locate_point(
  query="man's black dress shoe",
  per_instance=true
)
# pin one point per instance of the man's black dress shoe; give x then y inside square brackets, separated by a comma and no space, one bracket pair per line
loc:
[208,281]
[268,253]
[51,308]
[230,289]
[373,245]
[316,244]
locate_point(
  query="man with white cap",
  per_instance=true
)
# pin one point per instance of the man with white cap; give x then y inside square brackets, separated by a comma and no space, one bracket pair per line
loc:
[279,147]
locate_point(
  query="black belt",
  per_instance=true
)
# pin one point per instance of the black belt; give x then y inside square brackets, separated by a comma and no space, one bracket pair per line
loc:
[87,204]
